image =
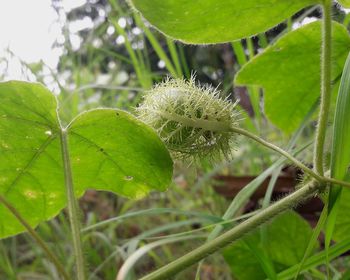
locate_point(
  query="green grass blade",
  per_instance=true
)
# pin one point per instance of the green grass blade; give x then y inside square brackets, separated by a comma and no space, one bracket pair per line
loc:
[238,49]
[254,91]
[340,157]
[207,227]
[312,243]
[250,47]
[165,228]
[132,260]
[114,54]
[144,81]
[341,136]
[154,211]
[174,56]
[184,61]
[156,46]
[263,42]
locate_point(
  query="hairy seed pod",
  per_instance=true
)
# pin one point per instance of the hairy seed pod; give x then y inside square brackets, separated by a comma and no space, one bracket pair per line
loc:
[192,120]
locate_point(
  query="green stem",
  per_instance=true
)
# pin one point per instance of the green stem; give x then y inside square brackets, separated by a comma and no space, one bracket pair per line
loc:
[223,126]
[237,232]
[36,237]
[325,87]
[278,150]
[72,207]
[287,155]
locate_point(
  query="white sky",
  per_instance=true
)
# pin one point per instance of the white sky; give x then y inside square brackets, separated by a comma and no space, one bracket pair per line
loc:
[29,28]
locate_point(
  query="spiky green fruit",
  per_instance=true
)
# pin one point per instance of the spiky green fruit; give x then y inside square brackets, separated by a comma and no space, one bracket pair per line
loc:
[192,120]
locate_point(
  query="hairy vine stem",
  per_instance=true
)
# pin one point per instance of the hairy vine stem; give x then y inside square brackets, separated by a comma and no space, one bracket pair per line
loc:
[72,207]
[235,233]
[311,188]
[284,153]
[326,83]
[216,126]
[36,237]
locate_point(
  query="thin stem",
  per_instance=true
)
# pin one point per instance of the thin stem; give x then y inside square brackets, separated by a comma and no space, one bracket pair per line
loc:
[287,155]
[278,150]
[325,87]
[237,232]
[224,126]
[36,237]
[72,208]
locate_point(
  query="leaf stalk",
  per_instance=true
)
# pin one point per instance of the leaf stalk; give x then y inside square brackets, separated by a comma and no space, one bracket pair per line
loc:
[72,207]
[326,87]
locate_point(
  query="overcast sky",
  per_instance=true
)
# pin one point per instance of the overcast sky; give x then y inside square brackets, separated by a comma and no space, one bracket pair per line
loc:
[29,28]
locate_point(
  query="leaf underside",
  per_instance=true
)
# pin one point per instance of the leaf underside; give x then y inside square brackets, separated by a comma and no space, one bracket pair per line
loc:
[109,149]
[212,21]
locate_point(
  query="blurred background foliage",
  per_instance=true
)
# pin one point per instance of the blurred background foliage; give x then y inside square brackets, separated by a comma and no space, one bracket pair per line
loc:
[110,57]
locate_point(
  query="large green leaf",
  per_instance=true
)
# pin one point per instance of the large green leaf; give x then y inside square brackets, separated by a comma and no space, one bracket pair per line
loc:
[289,72]
[109,150]
[213,21]
[287,238]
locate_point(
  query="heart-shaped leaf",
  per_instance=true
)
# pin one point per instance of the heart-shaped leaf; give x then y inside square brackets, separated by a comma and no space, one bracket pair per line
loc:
[213,21]
[289,72]
[109,150]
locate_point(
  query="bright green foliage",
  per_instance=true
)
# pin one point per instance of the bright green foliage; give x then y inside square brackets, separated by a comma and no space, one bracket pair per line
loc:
[287,238]
[242,261]
[212,21]
[345,3]
[109,149]
[340,162]
[289,72]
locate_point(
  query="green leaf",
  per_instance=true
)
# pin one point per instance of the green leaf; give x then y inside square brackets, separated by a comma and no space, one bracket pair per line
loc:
[212,21]
[289,72]
[287,238]
[345,3]
[242,261]
[340,160]
[109,149]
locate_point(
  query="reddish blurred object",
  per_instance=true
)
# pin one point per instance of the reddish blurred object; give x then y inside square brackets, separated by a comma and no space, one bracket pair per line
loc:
[229,186]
